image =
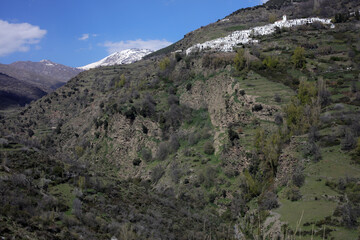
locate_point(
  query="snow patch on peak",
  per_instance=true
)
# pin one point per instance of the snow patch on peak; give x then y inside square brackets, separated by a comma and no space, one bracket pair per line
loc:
[47,62]
[124,57]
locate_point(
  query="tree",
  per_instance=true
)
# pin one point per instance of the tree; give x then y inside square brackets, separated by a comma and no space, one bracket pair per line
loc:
[121,81]
[164,63]
[307,92]
[298,58]
[271,62]
[239,60]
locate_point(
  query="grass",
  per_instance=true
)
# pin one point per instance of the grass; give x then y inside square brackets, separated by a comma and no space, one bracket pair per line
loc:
[257,85]
[64,193]
[335,164]
[313,211]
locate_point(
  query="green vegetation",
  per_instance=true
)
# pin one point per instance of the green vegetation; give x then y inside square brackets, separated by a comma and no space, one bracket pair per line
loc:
[262,143]
[298,58]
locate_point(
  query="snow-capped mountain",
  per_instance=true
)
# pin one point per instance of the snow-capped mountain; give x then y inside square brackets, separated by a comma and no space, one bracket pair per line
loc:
[124,57]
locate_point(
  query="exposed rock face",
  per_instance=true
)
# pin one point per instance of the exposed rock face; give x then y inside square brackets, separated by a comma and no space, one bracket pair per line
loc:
[286,165]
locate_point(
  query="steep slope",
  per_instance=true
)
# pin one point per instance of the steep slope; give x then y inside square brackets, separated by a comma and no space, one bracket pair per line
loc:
[124,57]
[14,92]
[265,141]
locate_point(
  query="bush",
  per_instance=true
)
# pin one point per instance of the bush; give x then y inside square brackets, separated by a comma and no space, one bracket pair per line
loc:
[272,17]
[136,162]
[293,193]
[239,60]
[278,119]
[157,173]
[298,177]
[257,108]
[269,201]
[208,177]
[208,148]
[148,106]
[271,62]
[349,141]
[164,64]
[277,98]
[238,206]
[163,151]
[298,58]
[174,143]
[348,214]
[173,99]
[175,173]
[146,154]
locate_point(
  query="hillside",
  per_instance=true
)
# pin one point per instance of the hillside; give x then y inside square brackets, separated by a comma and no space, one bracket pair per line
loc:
[260,141]
[14,93]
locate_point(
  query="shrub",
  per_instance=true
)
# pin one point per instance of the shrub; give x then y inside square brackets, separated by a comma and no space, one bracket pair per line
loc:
[238,206]
[307,92]
[208,148]
[357,150]
[175,173]
[239,60]
[271,62]
[146,154]
[349,141]
[163,151]
[293,193]
[121,82]
[298,58]
[323,93]
[298,177]
[257,107]
[173,99]
[174,143]
[188,86]
[272,18]
[136,162]
[348,214]
[269,201]
[164,64]
[209,176]
[79,151]
[278,119]
[157,173]
[233,135]
[77,205]
[148,106]
[277,98]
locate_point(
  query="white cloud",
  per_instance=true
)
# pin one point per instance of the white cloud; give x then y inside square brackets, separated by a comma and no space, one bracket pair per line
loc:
[264,1]
[138,43]
[84,37]
[17,37]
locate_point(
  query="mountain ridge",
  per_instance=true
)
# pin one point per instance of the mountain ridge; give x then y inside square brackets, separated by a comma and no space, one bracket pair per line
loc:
[123,57]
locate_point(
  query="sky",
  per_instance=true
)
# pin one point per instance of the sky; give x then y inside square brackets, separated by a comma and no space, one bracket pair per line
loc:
[78,32]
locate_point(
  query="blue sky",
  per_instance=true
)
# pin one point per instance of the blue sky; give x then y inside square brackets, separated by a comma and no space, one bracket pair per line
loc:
[78,32]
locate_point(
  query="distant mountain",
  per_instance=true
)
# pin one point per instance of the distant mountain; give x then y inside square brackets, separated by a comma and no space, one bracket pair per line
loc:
[45,74]
[124,57]
[14,92]
[55,71]
[21,82]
